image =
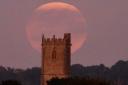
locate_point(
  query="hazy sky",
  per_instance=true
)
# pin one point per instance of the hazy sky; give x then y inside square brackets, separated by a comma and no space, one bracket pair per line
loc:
[107,27]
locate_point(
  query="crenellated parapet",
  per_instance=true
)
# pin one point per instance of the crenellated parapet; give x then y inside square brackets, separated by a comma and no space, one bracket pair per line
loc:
[57,41]
[56,57]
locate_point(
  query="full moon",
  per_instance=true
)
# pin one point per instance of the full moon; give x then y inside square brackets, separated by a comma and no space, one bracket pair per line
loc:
[56,18]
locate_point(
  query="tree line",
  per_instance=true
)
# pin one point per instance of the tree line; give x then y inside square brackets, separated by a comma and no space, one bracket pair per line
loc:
[117,73]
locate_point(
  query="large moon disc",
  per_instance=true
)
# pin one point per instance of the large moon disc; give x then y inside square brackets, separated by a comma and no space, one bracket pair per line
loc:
[57,18]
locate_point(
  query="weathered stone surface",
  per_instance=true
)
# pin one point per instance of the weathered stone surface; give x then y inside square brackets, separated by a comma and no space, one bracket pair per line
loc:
[56,55]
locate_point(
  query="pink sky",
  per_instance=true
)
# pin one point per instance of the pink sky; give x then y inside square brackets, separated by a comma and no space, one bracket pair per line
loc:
[107,27]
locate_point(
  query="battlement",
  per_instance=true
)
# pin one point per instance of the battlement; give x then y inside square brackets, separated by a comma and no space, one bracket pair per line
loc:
[56,56]
[65,40]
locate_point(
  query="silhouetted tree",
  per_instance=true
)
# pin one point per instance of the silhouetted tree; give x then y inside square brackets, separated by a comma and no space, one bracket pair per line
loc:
[117,73]
[78,81]
[10,82]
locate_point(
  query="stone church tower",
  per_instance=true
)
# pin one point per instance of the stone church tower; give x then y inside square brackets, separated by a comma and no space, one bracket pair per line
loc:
[56,54]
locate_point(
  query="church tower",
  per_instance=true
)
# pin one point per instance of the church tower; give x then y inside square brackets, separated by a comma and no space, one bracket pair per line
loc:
[56,54]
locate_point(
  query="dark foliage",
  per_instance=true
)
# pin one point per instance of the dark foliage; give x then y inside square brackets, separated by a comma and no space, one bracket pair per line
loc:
[10,82]
[118,73]
[26,77]
[78,81]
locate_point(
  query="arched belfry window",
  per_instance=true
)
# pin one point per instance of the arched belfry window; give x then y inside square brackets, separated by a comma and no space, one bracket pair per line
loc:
[54,53]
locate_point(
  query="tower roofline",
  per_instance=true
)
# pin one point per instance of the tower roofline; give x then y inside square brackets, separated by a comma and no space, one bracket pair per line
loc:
[65,40]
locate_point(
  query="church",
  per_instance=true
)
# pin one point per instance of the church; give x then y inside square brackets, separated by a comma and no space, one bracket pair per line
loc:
[56,57]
